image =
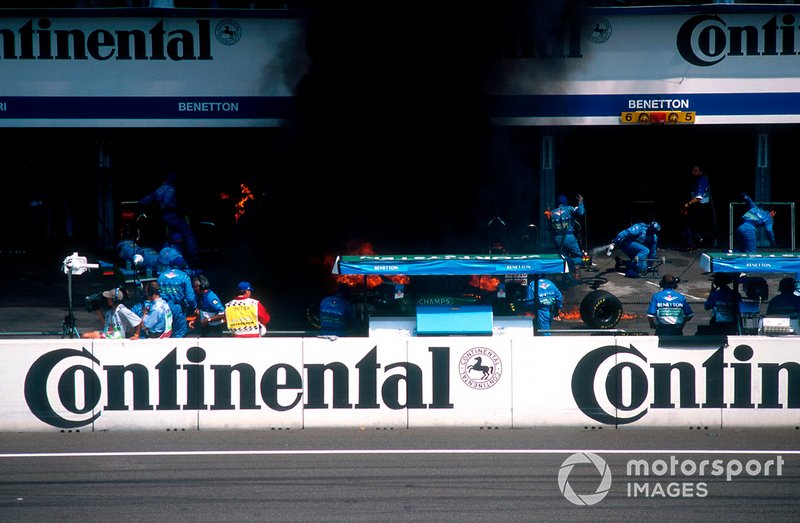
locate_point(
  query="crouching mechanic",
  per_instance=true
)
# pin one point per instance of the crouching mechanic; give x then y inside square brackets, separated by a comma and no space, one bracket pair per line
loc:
[548,305]
[639,242]
[752,220]
[119,321]
[669,311]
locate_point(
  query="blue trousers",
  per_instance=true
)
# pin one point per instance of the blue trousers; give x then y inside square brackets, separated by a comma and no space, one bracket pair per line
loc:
[746,237]
[639,252]
[568,246]
[178,224]
[179,325]
[543,319]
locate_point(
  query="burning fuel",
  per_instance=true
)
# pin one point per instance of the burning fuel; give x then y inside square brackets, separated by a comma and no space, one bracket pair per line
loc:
[246,195]
[574,314]
[486,283]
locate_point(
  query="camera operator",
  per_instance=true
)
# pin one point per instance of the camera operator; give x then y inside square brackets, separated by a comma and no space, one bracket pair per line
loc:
[119,321]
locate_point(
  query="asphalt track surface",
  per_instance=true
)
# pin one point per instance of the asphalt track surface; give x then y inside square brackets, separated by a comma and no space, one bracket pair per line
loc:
[401,475]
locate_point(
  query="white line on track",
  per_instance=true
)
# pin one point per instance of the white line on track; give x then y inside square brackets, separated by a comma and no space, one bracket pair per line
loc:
[654,284]
[386,451]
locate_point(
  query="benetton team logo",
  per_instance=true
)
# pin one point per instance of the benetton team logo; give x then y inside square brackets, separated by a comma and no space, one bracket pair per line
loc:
[480,368]
[581,458]
[598,30]
[228,32]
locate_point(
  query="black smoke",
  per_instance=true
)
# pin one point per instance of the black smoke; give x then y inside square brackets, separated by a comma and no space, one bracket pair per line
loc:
[393,143]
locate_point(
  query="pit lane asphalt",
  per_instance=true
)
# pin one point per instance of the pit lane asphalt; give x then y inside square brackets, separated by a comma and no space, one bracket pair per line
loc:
[34,298]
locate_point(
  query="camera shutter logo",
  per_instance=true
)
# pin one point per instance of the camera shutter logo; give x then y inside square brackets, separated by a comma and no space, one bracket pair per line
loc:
[578,459]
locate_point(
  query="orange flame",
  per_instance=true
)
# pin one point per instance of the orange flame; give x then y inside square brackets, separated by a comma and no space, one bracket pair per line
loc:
[486,283]
[247,194]
[355,247]
[574,314]
[571,314]
[355,280]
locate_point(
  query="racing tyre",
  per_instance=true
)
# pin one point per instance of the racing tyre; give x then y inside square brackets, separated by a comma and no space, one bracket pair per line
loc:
[601,310]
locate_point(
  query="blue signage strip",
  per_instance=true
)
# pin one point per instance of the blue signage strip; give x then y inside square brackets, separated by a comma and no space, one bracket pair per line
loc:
[283,107]
[146,107]
[451,264]
[750,263]
[596,105]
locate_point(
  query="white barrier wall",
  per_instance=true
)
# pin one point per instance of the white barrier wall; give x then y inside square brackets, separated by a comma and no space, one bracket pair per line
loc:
[480,381]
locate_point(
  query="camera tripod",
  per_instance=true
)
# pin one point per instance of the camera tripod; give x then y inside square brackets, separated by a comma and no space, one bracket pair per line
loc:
[70,329]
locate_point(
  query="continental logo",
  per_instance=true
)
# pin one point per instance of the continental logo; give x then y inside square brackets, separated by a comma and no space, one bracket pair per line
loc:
[623,374]
[706,40]
[480,368]
[64,388]
[174,40]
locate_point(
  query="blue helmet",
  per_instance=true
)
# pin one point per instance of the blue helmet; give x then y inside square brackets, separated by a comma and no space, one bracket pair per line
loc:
[562,200]
[126,249]
[654,226]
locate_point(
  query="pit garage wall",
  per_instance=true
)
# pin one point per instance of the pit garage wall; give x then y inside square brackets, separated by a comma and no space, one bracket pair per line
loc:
[729,64]
[117,68]
[295,383]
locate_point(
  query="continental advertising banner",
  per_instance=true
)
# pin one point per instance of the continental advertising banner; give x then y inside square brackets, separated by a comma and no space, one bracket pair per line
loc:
[706,64]
[117,71]
[703,64]
[458,381]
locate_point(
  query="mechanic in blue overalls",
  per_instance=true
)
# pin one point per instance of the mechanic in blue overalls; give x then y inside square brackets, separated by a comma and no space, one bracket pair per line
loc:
[562,221]
[669,311]
[723,302]
[165,197]
[753,219]
[337,315]
[177,291]
[171,254]
[550,301]
[639,242]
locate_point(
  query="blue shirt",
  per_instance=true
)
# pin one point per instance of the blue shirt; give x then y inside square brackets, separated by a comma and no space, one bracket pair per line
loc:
[336,315]
[164,196]
[210,305]
[787,303]
[724,304]
[758,217]
[158,319]
[549,294]
[167,258]
[562,218]
[638,232]
[700,188]
[176,287]
[669,307]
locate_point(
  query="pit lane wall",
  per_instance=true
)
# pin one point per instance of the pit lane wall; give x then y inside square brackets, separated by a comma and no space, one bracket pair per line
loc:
[397,382]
